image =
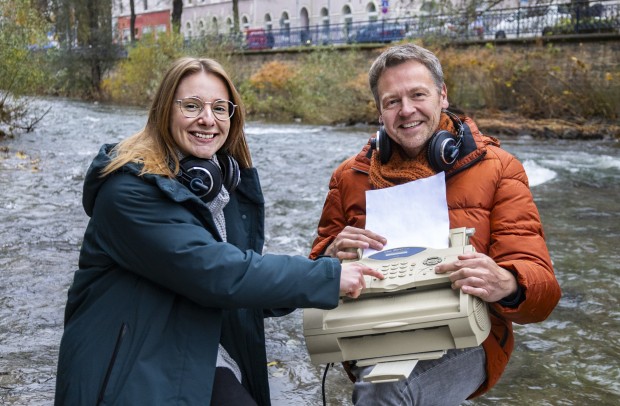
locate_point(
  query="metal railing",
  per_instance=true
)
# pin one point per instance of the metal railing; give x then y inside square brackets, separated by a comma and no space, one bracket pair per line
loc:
[565,19]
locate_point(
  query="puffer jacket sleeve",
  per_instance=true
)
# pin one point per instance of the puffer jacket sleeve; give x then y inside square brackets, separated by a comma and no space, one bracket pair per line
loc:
[345,204]
[166,243]
[517,244]
[332,218]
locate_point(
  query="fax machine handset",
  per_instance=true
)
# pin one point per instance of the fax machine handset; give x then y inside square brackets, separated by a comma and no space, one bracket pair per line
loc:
[414,267]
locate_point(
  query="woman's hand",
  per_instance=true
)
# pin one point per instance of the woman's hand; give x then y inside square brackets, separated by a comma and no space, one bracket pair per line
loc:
[352,278]
[351,239]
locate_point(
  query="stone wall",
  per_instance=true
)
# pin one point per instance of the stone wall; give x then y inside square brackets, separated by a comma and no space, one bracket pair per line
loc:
[601,52]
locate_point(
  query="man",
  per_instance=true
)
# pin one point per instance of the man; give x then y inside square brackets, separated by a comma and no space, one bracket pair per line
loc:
[487,189]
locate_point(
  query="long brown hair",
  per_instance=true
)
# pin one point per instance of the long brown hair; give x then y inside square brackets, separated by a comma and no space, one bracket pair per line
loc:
[154,146]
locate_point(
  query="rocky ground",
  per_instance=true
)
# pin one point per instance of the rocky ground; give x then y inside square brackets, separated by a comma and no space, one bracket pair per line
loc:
[498,124]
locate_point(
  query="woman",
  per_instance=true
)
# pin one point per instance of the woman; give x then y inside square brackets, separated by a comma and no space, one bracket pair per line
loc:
[167,305]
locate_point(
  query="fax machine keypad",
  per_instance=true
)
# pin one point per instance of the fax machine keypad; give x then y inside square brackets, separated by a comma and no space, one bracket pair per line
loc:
[404,275]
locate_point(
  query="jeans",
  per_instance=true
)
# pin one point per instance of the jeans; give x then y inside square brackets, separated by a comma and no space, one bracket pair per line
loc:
[446,381]
[228,391]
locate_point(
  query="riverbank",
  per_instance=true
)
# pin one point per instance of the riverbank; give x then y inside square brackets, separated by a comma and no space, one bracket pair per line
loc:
[499,123]
[554,362]
[510,124]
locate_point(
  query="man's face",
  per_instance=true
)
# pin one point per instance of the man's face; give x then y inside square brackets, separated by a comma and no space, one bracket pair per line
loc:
[410,105]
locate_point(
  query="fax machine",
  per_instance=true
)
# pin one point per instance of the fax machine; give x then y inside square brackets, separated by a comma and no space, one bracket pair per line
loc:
[410,315]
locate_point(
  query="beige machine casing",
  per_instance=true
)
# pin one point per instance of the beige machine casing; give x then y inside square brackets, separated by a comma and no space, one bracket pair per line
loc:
[410,315]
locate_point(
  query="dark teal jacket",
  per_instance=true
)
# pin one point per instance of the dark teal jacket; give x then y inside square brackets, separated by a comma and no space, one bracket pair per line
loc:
[157,290]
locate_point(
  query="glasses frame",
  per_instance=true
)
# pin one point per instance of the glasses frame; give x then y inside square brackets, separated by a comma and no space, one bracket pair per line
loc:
[204,103]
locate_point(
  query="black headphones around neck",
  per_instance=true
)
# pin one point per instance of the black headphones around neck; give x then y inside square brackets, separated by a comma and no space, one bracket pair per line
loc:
[443,147]
[205,177]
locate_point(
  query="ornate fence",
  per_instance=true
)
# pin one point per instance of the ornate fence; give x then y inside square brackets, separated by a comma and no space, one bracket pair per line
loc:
[576,18]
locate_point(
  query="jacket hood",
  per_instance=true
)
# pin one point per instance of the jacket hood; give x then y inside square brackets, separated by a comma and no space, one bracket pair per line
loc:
[93,180]
[172,188]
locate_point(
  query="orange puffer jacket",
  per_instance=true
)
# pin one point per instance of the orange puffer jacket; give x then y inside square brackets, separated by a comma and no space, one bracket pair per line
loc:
[487,190]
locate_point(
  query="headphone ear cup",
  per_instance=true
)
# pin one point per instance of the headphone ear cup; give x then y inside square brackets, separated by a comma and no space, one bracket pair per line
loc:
[202,176]
[384,145]
[230,172]
[442,151]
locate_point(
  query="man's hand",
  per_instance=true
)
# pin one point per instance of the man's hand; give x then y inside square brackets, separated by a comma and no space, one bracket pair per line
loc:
[352,278]
[478,275]
[351,239]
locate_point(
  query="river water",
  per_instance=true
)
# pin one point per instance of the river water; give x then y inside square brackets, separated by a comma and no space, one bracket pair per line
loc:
[573,358]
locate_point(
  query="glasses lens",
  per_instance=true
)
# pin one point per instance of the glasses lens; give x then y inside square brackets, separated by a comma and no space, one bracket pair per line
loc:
[191,107]
[223,109]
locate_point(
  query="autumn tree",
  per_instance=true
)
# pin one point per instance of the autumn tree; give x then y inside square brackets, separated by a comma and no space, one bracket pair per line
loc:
[175,18]
[23,35]
[235,10]
[84,30]
[132,21]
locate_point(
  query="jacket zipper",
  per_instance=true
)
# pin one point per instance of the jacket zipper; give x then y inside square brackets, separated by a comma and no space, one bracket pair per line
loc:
[469,165]
[117,346]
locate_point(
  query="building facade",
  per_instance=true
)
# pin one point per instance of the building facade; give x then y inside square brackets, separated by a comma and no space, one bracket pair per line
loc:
[152,16]
[209,17]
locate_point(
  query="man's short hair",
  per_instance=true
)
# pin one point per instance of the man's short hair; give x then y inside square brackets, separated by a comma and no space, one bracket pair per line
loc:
[400,54]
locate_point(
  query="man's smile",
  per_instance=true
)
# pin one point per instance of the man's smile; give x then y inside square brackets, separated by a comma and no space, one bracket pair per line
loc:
[410,125]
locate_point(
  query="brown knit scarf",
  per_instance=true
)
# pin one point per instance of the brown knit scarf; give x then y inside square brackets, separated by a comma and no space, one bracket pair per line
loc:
[400,168]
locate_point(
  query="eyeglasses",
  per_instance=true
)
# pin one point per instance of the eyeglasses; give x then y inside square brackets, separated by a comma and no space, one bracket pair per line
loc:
[191,107]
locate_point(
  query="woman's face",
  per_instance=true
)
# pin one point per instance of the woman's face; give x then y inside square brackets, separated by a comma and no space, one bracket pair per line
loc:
[201,136]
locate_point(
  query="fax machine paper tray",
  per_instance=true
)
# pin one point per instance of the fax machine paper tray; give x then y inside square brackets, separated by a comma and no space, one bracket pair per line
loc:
[411,312]
[398,325]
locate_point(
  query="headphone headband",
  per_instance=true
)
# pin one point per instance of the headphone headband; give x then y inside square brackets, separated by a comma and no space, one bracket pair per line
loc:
[460,129]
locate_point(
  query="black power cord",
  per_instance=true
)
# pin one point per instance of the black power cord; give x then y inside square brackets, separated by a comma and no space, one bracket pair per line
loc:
[323,383]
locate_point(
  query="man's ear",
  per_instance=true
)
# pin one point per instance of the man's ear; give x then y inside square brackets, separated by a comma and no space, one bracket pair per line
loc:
[444,97]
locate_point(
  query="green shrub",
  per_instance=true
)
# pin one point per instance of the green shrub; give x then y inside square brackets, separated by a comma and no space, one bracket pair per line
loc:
[535,82]
[325,86]
[329,86]
[136,78]
[22,65]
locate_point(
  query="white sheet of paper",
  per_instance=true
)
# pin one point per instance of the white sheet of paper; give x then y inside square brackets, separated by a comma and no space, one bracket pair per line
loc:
[414,214]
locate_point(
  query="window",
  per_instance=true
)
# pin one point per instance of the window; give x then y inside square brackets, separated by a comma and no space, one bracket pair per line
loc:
[285,23]
[188,30]
[372,12]
[230,25]
[268,23]
[325,18]
[348,20]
